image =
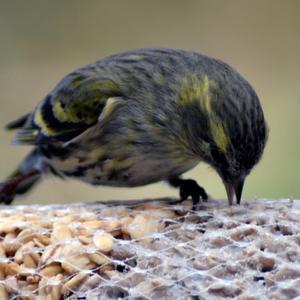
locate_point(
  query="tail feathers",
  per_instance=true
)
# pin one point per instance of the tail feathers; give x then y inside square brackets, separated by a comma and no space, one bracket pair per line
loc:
[22,180]
[17,185]
[18,123]
[26,184]
[26,136]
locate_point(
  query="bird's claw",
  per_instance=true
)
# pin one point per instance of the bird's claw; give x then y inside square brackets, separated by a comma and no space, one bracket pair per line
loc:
[191,188]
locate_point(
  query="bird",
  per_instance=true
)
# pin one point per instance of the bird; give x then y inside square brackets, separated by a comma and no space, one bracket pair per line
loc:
[140,117]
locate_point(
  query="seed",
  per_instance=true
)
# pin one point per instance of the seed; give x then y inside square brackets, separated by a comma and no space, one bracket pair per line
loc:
[93,224]
[143,225]
[74,282]
[51,270]
[11,269]
[103,242]
[98,258]
[3,292]
[61,233]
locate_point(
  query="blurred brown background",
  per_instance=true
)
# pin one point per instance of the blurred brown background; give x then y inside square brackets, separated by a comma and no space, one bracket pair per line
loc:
[41,41]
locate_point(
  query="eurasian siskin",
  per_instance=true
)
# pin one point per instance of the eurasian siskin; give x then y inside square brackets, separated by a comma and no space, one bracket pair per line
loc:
[140,117]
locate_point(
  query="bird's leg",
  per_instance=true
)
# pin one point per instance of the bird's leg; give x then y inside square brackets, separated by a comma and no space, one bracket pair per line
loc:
[189,187]
[9,187]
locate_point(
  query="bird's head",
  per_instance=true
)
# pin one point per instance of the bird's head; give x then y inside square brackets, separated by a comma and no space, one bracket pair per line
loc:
[234,160]
[232,170]
[228,127]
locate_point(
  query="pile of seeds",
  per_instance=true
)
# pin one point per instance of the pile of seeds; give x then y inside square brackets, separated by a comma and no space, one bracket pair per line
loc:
[151,251]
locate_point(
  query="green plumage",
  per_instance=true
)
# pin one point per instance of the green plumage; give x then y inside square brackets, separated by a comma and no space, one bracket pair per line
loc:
[144,116]
[69,110]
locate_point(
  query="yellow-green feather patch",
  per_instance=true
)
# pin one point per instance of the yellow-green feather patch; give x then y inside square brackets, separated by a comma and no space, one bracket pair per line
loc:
[195,89]
[219,135]
[198,90]
[64,115]
[86,102]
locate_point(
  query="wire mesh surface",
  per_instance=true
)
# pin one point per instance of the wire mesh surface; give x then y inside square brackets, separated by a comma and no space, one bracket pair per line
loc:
[151,251]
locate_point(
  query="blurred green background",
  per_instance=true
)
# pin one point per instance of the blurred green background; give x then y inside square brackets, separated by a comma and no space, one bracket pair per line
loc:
[41,41]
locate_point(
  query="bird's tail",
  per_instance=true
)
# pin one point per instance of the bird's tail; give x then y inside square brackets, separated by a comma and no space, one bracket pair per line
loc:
[22,179]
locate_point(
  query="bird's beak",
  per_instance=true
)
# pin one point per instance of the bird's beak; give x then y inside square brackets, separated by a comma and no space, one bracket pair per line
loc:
[234,189]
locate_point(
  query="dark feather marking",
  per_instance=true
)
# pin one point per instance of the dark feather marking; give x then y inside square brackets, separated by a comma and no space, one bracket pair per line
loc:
[113,175]
[55,151]
[18,123]
[144,72]
[79,171]
[49,118]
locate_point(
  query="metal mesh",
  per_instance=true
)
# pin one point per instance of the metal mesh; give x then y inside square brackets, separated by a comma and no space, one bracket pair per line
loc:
[151,251]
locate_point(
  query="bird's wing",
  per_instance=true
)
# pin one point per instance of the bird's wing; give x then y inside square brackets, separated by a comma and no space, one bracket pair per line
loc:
[76,104]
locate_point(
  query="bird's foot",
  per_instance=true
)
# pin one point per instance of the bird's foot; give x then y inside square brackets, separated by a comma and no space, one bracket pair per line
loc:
[190,188]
